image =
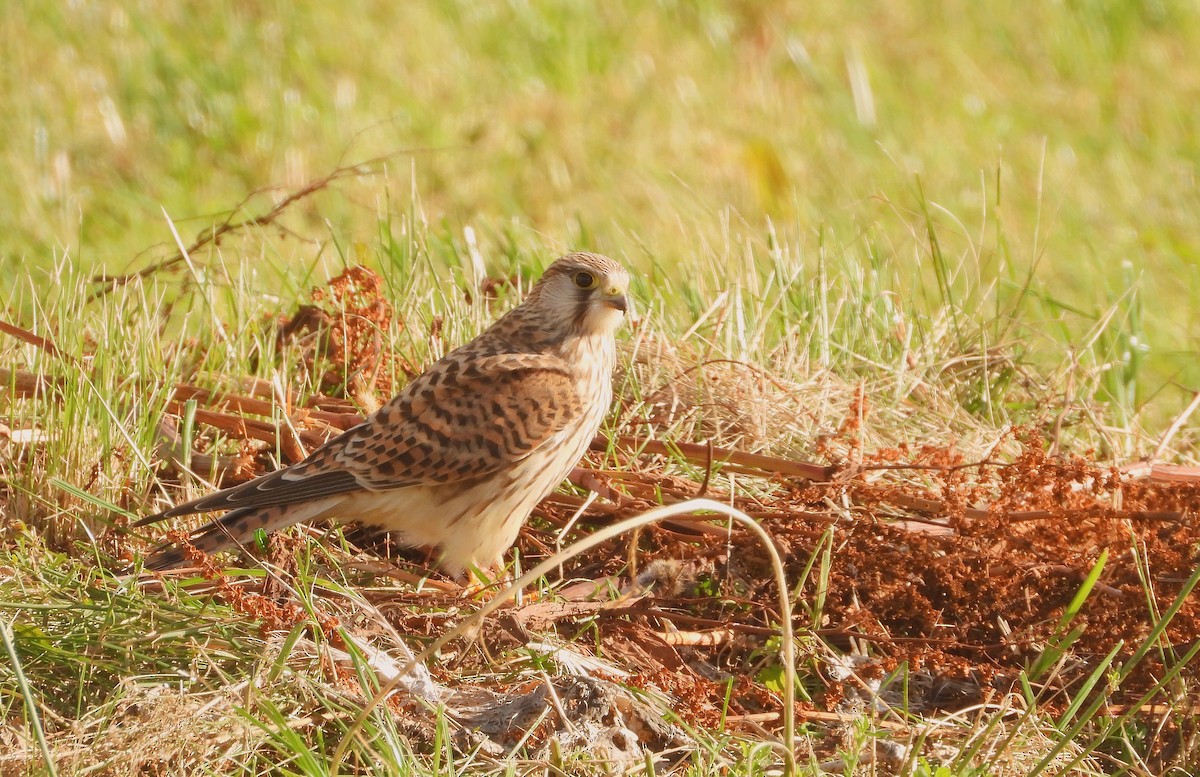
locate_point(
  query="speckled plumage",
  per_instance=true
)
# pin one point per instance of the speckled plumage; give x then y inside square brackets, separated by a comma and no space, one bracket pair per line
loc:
[461,456]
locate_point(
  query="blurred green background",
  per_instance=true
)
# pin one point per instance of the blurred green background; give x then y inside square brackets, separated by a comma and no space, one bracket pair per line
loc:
[1050,148]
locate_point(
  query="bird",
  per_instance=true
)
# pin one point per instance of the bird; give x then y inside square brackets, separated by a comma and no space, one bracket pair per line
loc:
[460,457]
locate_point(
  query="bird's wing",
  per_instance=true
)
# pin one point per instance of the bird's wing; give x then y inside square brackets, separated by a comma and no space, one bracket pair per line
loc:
[461,419]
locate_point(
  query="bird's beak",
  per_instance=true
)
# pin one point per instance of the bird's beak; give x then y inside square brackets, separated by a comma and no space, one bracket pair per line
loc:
[616,301]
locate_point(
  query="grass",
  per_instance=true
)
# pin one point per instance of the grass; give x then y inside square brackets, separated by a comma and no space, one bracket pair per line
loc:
[954,220]
[1047,149]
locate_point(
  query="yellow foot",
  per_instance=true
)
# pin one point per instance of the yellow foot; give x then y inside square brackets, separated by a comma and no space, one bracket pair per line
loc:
[484,584]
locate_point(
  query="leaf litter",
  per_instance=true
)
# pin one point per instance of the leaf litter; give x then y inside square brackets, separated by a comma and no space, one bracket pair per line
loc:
[910,559]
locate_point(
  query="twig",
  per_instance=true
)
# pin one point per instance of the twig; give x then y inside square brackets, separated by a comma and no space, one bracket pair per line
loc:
[215,235]
[700,454]
[697,638]
[27,384]
[708,470]
[45,343]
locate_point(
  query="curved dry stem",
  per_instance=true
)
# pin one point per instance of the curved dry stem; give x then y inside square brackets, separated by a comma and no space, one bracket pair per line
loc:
[682,510]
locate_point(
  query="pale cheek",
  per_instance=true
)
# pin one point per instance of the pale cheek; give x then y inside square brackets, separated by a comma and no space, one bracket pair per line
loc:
[604,318]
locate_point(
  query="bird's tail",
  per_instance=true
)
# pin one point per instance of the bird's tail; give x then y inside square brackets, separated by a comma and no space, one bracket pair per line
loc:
[234,529]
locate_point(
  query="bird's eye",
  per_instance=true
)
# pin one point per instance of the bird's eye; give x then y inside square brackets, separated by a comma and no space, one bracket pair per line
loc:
[585,280]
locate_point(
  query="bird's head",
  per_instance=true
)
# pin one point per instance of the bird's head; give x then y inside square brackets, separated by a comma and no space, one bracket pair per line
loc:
[584,292]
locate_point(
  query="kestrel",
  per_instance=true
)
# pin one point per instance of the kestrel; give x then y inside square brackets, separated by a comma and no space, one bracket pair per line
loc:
[461,456]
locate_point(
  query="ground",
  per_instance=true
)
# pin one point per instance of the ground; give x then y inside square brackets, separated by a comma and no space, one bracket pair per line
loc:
[915,289]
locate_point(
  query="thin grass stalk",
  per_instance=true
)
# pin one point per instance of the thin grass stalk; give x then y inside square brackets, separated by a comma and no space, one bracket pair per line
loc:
[31,710]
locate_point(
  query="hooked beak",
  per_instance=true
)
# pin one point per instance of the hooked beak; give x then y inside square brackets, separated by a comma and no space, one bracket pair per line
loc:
[616,300]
